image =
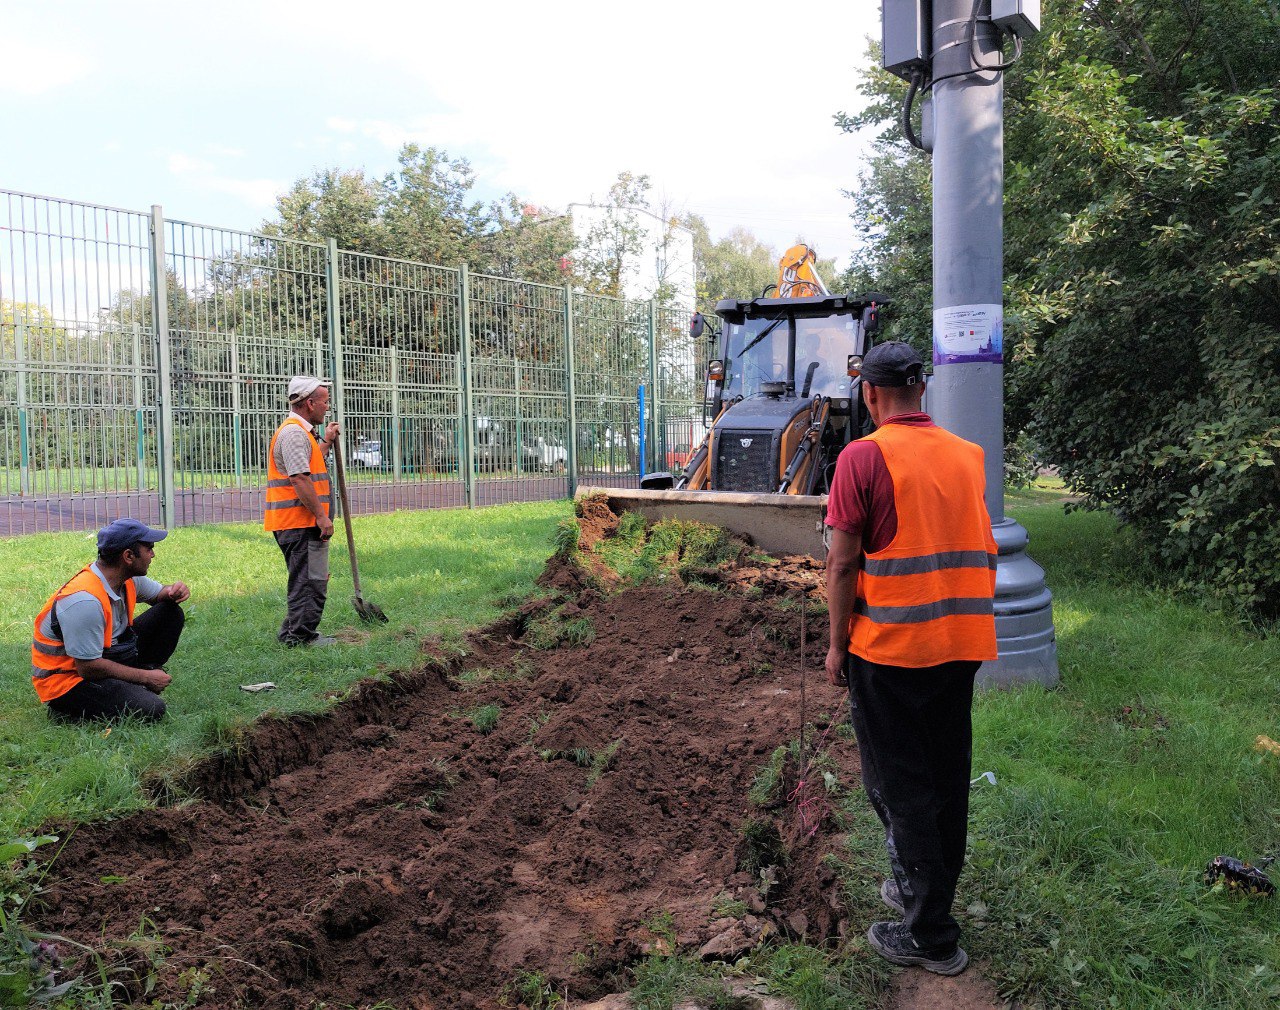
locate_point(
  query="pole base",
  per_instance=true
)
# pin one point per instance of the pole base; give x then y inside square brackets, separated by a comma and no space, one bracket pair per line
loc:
[1024,616]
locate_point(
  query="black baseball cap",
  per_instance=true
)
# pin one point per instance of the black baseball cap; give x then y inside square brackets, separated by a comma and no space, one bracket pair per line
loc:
[892,363]
[125,533]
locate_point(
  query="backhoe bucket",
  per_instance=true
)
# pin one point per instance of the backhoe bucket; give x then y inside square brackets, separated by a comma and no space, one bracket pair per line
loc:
[776,523]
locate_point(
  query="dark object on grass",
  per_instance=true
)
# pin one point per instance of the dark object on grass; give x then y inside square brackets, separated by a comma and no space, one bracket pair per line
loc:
[1238,876]
[370,613]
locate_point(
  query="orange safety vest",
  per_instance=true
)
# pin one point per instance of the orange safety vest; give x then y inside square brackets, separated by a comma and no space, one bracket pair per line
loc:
[285,510]
[53,672]
[928,597]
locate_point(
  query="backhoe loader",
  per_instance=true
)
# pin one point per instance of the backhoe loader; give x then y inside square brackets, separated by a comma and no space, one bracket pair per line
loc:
[782,399]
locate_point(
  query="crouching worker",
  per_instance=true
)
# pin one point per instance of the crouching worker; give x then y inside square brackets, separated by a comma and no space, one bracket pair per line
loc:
[89,658]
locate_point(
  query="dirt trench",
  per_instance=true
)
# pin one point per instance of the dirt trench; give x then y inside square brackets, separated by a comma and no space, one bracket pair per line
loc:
[392,851]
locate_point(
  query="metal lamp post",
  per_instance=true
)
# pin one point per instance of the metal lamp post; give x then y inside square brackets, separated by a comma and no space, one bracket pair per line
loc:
[945,52]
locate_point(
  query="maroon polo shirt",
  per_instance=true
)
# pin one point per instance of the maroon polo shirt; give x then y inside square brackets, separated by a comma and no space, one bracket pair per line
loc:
[861,499]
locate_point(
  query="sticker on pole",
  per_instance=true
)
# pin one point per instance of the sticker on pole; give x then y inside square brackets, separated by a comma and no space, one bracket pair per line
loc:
[965,333]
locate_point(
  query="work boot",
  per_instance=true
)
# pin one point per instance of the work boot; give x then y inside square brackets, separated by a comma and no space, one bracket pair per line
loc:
[893,942]
[320,641]
[891,895]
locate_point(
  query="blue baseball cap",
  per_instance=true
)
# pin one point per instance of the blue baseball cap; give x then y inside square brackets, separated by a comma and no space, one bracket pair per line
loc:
[124,533]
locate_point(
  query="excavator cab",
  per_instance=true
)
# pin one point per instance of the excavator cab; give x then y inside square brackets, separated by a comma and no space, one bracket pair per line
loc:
[781,396]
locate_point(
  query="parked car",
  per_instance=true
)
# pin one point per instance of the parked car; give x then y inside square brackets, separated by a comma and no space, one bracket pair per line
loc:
[678,457]
[368,453]
[547,455]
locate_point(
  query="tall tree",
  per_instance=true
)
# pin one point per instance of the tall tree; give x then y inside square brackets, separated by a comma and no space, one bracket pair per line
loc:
[616,237]
[1142,280]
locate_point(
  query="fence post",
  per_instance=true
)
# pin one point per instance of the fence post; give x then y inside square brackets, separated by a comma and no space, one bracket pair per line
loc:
[334,327]
[396,449]
[571,393]
[24,445]
[519,460]
[468,405]
[164,367]
[657,447]
[138,414]
[236,449]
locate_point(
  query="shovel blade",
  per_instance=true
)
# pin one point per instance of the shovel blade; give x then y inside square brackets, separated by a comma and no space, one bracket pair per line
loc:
[370,613]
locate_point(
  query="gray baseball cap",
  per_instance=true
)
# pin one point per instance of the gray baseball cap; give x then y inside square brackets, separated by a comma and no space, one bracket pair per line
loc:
[892,363]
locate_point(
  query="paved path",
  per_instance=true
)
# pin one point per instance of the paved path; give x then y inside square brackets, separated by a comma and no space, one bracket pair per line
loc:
[91,510]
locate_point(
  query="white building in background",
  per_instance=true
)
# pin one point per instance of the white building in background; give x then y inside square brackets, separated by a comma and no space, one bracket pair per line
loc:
[666,254]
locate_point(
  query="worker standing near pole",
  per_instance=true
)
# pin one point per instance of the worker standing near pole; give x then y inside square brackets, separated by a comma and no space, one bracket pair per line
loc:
[298,508]
[910,590]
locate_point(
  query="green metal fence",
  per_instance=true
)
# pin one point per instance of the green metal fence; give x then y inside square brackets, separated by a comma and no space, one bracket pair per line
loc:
[143,365]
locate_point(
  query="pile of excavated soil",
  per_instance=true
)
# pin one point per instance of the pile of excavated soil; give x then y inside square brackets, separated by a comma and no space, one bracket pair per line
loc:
[391,850]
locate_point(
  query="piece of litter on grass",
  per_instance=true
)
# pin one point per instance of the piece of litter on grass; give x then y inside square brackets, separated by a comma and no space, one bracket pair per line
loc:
[266,685]
[989,776]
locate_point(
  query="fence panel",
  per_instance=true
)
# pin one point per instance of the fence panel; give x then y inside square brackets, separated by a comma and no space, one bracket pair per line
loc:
[681,378]
[78,387]
[402,384]
[519,390]
[245,313]
[611,359]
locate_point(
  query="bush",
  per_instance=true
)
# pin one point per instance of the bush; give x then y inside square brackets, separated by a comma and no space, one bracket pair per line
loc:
[1157,371]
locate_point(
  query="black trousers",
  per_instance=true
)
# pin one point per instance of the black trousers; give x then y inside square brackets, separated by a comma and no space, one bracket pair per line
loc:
[915,737]
[307,558]
[154,640]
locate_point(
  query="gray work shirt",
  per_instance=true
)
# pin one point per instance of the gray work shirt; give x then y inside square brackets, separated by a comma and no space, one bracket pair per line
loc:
[293,449]
[83,623]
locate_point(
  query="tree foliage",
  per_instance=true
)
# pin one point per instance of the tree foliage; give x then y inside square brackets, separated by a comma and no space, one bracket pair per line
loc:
[424,212]
[1142,276]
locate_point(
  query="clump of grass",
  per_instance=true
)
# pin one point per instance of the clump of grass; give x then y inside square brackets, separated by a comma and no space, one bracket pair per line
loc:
[813,979]
[602,761]
[725,906]
[761,846]
[670,548]
[771,781]
[536,723]
[766,787]
[532,990]
[448,778]
[666,977]
[519,670]
[566,537]
[579,631]
[552,630]
[485,718]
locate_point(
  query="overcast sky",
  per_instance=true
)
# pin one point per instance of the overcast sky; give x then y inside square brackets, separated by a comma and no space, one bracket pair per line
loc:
[214,109]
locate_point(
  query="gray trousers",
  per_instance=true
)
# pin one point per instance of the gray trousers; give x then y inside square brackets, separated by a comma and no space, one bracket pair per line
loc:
[307,558]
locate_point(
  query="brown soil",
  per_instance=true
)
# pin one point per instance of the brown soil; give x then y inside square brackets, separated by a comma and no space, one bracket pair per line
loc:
[390,851]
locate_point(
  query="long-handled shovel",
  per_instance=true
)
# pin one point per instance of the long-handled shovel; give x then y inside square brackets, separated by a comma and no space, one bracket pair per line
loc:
[370,613]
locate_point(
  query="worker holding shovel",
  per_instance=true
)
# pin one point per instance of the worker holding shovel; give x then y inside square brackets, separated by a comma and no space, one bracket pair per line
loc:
[298,508]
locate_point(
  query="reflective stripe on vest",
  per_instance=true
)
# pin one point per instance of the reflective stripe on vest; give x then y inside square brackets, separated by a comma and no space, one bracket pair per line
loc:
[928,597]
[53,672]
[283,509]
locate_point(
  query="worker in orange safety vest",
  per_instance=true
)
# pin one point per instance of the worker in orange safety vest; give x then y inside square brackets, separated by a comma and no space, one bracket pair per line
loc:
[298,508]
[911,573]
[90,658]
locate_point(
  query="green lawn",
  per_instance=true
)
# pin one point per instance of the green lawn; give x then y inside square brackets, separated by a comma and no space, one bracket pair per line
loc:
[434,573]
[1116,789]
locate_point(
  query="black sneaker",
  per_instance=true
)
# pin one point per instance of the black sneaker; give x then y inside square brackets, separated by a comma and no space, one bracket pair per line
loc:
[891,895]
[893,942]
